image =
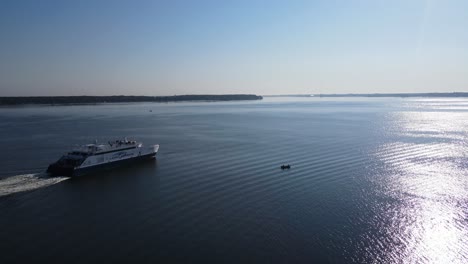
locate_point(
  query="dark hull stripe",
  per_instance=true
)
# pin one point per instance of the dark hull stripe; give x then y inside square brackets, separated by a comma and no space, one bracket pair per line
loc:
[116,150]
[87,170]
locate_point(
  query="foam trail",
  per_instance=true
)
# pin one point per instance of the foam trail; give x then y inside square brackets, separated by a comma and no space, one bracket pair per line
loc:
[27,182]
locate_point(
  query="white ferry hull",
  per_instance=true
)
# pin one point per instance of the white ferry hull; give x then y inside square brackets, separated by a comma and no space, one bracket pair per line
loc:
[111,165]
[105,161]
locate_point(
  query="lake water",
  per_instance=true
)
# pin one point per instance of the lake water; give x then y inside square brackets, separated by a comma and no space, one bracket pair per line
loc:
[371,181]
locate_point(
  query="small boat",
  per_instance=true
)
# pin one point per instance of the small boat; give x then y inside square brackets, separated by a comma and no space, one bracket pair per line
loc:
[283,167]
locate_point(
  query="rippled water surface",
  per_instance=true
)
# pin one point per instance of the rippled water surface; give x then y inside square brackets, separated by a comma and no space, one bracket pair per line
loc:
[371,181]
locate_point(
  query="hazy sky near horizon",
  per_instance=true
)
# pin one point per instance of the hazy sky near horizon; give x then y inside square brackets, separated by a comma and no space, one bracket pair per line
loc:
[216,47]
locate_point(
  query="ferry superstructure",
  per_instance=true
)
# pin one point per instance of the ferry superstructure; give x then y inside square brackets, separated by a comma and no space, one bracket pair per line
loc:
[93,157]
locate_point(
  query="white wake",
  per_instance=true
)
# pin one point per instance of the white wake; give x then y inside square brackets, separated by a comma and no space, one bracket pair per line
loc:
[27,182]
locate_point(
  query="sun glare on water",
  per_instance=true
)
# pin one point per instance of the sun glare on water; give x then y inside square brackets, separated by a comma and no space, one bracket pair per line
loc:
[426,188]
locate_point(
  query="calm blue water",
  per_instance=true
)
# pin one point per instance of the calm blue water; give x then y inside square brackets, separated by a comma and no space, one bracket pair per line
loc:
[372,181]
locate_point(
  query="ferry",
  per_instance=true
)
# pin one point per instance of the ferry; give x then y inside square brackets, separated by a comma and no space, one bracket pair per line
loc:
[94,157]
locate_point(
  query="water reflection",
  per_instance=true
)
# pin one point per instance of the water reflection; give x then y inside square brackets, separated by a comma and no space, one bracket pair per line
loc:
[423,187]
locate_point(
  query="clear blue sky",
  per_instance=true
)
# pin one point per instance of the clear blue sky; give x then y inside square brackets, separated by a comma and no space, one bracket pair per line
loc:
[262,47]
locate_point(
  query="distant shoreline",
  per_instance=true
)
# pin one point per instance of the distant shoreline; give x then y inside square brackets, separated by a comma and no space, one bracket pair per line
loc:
[454,94]
[65,100]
